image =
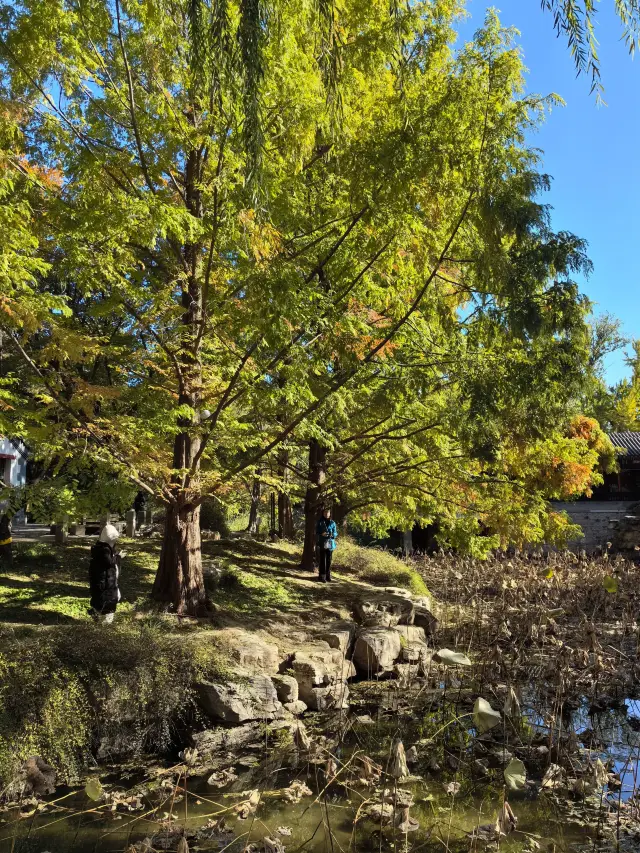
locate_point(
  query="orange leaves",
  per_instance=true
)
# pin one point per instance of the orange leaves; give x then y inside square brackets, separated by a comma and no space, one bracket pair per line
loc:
[48,177]
[583,427]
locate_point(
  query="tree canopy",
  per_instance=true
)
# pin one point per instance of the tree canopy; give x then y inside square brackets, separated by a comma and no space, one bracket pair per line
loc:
[227,234]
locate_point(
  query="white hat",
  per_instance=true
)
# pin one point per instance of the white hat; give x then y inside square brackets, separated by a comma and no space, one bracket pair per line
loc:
[109,534]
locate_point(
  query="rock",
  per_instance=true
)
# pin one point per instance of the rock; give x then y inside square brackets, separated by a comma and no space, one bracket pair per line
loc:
[35,777]
[414,652]
[340,636]
[213,741]
[376,650]
[240,701]
[295,708]
[251,653]
[329,698]
[398,590]
[411,633]
[319,667]
[384,610]
[422,601]
[423,618]
[286,688]
[412,755]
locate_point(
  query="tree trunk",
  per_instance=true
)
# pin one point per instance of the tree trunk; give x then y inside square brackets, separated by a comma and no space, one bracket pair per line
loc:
[179,579]
[317,476]
[256,492]
[285,515]
[339,512]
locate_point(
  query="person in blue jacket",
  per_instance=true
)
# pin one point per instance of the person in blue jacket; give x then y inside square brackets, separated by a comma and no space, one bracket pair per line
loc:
[326,535]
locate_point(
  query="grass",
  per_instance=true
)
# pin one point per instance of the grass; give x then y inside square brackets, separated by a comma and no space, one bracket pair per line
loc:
[48,584]
[377,567]
[96,689]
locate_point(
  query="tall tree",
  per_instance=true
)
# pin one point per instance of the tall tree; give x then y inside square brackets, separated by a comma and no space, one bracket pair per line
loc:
[219,223]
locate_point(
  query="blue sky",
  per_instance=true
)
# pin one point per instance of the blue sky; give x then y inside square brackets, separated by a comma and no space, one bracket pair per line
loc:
[591,151]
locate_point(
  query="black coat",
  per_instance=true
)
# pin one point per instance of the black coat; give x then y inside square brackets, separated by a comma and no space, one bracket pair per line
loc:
[103,578]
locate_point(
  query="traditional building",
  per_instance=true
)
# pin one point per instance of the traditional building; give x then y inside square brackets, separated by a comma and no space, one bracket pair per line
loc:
[625,485]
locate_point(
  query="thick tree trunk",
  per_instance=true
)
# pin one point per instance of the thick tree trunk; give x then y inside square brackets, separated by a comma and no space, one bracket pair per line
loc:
[254,520]
[285,515]
[317,476]
[179,579]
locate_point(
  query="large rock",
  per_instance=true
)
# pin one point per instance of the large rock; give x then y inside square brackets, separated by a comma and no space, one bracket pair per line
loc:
[384,610]
[415,652]
[250,652]
[333,697]
[376,650]
[295,708]
[286,688]
[239,701]
[339,636]
[320,666]
[212,742]
[423,618]
[411,633]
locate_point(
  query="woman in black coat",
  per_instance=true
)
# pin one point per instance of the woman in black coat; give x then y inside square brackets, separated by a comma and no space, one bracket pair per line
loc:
[104,575]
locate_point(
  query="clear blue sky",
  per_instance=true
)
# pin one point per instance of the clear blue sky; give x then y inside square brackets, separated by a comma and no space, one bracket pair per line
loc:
[592,152]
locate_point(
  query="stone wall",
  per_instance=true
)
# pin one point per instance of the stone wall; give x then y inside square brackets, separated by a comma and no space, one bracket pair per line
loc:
[599,520]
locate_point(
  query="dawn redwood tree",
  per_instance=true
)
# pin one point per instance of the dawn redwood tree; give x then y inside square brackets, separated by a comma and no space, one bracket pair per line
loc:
[218,218]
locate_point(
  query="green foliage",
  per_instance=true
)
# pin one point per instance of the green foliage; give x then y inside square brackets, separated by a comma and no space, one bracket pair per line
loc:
[213,516]
[376,567]
[122,687]
[245,591]
[575,20]
[242,227]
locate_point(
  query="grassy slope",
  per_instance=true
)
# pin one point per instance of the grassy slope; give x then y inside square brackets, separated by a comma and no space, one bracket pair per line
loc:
[47,584]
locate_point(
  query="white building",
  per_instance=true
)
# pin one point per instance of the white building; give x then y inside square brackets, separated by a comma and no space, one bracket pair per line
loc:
[13,462]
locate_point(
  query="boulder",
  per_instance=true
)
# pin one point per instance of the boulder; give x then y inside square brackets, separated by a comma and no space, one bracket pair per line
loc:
[422,601]
[250,652]
[339,636]
[212,742]
[318,667]
[239,701]
[376,650]
[414,652]
[295,708]
[35,777]
[424,618]
[384,610]
[286,688]
[332,697]
[411,633]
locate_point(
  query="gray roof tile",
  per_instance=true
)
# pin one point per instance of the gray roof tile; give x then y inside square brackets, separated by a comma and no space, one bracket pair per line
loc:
[629,440]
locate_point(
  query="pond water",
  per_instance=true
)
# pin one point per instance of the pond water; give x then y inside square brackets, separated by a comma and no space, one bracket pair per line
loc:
[458,785]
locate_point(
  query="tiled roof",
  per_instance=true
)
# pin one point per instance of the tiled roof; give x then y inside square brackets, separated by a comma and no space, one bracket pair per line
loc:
[629,440]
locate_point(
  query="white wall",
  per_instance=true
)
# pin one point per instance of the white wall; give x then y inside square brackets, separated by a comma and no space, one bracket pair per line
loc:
[13,472]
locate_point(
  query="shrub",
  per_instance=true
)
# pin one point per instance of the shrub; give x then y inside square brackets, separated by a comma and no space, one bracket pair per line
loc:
[213,516]
[96,688]
[377,567]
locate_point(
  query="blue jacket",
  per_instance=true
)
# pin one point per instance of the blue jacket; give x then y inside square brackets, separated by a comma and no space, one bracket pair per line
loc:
[326,529]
